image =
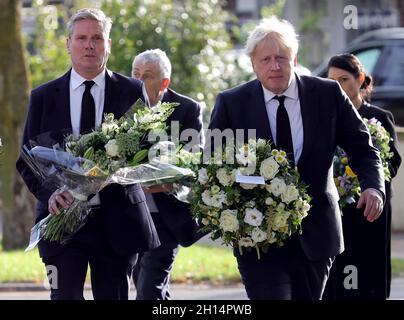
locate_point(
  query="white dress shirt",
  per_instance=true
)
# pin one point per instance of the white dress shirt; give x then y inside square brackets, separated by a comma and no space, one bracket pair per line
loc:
[77,88]
[292,105]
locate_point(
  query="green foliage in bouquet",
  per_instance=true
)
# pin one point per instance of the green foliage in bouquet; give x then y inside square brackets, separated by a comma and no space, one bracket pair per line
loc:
[122,142]
[248,215]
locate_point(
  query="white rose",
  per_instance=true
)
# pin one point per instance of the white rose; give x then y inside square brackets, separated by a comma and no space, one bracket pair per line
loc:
[291,193]
[203,176]
[277,186]
[112,148]
[205,221]
[248,186]
[224,178]
[258,235]
[228,221]
[253,217]
[269,201]
[246,171]
[269,168]
[246,242]
[280,220]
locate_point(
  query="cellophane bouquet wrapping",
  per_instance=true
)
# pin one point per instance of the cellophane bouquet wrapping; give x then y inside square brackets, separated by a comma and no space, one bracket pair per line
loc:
[120,151]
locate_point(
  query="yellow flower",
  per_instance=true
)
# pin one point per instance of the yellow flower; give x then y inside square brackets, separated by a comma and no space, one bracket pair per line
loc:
[349,171]
[344,160]
[95,172]
[336,181]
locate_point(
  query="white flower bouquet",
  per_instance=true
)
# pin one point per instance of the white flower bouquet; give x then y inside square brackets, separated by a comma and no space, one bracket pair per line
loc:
[117,152]
[345,178]
[254,199]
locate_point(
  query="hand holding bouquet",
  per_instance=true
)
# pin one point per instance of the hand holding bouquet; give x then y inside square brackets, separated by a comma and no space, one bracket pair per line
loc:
[117,152]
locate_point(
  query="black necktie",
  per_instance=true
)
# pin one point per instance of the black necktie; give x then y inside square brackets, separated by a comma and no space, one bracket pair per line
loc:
[87,120]
[283,132]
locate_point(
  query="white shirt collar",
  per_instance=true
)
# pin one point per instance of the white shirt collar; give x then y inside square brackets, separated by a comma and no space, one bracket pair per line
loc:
[291,92]
[77,80]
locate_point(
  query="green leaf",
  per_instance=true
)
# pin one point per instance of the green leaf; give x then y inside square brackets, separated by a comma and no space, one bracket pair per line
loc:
[138,157]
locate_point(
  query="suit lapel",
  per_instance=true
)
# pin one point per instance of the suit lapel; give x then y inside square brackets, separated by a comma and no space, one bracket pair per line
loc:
[112,95]
[259,110]
[309,110]
[62,101]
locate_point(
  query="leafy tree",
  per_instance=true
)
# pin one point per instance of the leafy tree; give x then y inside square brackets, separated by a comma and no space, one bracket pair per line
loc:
[193,34]
[17,203]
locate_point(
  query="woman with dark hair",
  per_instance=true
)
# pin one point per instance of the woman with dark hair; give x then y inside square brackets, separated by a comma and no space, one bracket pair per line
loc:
[363,270]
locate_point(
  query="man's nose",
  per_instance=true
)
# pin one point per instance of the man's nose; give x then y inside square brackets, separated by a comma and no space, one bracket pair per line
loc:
[274,64]
[90,44]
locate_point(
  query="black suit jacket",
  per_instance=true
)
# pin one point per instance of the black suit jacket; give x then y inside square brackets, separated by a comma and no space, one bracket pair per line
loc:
[329,120]
[173,214]
[128,223]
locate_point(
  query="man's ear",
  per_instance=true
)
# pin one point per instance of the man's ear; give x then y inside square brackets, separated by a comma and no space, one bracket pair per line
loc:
[68,44]
[295,61]
[166,82]
[109,46]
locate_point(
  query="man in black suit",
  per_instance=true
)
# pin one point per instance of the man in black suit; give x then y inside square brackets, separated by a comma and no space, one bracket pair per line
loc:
[172,218]
[120,225]
[318,118]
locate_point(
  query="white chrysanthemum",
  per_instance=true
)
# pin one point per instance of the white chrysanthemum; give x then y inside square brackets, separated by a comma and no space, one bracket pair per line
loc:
[253,217]
[224,178]
[269,168]
[291,193]
[203,176]
[258,235]
[228,221]
[112,148]
[246,242]
[277,186]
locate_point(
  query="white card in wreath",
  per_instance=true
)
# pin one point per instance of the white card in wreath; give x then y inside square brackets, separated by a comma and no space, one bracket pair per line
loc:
[250,179]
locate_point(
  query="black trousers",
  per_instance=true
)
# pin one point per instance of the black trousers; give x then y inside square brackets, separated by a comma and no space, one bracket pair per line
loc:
[109,272]
[283,273]
[151,274]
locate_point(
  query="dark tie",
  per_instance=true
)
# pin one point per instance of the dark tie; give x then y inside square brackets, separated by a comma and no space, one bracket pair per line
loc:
[283,132]
[87,120]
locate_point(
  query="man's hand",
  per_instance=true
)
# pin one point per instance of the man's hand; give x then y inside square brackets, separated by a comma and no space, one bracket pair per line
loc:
[59,199]
[159,188]
[373,204]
